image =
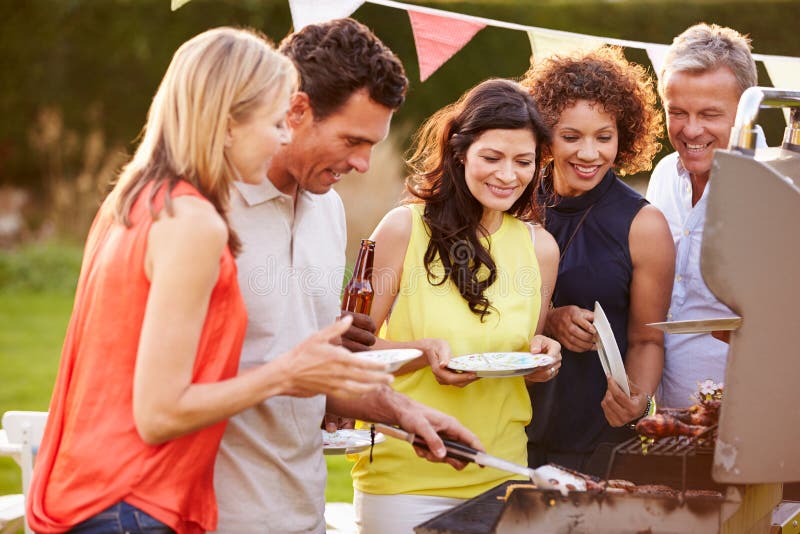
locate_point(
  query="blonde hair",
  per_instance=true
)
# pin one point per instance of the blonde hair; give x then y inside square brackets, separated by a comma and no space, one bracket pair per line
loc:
[217,76]
[705,47]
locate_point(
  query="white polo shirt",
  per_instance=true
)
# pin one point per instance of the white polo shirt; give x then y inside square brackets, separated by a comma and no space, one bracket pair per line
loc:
[270,472]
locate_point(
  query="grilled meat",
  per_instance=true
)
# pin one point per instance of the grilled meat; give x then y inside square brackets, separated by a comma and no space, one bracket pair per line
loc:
[704,414]
[663,425]
[655,489]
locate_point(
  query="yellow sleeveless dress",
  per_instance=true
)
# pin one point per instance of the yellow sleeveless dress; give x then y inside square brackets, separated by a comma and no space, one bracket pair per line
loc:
[496,409]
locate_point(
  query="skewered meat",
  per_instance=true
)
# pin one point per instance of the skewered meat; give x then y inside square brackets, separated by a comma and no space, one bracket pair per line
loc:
[663,425]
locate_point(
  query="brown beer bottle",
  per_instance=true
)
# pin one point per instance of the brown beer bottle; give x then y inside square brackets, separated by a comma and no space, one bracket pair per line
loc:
[358,292]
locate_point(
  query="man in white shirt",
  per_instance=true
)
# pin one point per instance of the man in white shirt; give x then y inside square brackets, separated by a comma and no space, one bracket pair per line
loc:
[705,71]
[270,472]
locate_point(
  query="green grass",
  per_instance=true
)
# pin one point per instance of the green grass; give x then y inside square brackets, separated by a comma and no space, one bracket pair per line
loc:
[36,285]
[32,327]
[340,485]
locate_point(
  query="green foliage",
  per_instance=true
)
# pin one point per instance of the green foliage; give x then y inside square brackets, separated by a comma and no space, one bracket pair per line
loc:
[100,62]
[40,267]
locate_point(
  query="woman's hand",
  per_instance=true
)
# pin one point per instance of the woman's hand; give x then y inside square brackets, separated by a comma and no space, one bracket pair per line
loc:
[619,408]
[319,366]
[545,345]
[572,327]
[437,351]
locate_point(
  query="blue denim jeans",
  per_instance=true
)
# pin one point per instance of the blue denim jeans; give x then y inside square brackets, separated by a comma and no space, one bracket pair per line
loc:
[122,518]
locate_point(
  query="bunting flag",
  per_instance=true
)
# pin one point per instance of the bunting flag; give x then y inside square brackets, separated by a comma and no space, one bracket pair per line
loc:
[305,12]
[656,53]
[439,34]
[785,74]
[546,43]
[176,4]
[438,39]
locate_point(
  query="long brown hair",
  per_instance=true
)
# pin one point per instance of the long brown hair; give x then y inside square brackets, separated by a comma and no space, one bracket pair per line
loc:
[218,76]
[437,178]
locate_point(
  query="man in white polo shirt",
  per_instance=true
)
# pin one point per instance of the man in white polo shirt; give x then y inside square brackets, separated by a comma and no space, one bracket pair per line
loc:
[270,473]
[705,71]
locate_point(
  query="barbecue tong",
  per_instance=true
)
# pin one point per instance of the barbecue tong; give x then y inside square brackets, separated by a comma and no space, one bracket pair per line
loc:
[545,477]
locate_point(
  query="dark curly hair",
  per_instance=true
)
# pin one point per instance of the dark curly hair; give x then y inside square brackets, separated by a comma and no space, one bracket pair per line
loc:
[437,179]
[337,58]
[622,88]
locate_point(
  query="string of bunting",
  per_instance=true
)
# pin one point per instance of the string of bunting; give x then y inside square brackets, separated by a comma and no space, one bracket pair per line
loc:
[440,34]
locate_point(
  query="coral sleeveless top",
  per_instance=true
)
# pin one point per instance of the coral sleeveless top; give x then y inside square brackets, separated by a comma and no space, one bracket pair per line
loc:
[91,456]
[496,409]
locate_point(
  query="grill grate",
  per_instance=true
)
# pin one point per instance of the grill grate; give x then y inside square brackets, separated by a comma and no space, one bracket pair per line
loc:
[680,448]
[670,446]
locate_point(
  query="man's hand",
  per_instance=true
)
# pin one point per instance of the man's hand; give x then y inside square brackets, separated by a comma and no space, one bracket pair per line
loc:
[427,424]
[722,335]
[618,407]
[545,345]
[572,327]
[332,422]
[361,334]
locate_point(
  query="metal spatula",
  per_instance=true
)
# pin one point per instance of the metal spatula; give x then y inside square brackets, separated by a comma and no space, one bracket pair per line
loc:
[545,477]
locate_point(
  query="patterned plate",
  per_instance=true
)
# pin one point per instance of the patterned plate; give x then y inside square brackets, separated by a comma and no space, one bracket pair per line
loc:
[500,364]
[348,441]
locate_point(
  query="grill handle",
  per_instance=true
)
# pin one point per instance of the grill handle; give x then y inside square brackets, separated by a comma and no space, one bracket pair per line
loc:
[743,133]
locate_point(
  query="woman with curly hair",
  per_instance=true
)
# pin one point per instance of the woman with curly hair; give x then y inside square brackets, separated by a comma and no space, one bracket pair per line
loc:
[457,271]
[615,249]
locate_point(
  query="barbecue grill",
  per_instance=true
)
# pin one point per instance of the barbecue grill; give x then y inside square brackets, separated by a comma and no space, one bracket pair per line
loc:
[730,479]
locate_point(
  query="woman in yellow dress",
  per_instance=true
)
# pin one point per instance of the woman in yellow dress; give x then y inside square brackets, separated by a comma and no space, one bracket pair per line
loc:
[461,269]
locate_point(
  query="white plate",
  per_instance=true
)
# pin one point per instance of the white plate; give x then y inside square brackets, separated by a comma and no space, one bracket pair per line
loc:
[348,441]
[699,326]
[500,364]
[393,358]
[608,349]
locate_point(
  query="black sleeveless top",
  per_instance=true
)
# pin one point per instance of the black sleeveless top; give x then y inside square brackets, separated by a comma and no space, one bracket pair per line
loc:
[596,266]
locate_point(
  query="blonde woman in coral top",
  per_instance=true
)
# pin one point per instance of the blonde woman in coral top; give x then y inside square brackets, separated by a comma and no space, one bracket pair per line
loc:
[148,369]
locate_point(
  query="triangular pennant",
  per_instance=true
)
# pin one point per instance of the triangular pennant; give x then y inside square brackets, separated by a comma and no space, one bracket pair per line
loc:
[657,53]
[305,12]
[178,3]
[784,74]
[544,43]
[439,38]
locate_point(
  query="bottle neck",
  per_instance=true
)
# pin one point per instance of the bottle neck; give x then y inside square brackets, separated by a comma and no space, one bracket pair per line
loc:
[363,267]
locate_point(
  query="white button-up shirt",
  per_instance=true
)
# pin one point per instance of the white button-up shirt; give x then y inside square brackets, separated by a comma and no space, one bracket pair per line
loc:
[688,358]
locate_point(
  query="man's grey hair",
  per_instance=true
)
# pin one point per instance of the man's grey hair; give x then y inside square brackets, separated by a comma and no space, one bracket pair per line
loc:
[705,47]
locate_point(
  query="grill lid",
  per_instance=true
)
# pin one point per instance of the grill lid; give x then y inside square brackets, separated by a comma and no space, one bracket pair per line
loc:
[750,260]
